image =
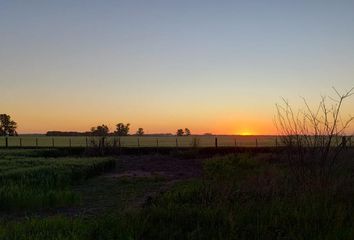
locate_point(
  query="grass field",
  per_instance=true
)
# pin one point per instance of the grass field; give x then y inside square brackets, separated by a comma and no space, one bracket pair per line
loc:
[28,183]
[243,196]
[145,141]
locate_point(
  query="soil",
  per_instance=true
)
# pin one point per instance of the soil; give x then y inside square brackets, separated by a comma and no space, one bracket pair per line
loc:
[151,165]
[134,181]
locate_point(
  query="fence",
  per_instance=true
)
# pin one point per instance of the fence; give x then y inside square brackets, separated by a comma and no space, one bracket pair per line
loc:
[144,141]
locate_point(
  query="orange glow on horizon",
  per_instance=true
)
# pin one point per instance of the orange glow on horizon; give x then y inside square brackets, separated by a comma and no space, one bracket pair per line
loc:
[246,133]
[234,126]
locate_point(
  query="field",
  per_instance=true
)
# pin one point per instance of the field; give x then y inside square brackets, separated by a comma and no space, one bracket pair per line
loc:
[145,141]
[28,183]
[46,194]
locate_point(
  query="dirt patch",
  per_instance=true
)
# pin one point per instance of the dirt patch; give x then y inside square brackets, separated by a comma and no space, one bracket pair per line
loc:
[139,174]
[168,170]
[152,165]
[133,182]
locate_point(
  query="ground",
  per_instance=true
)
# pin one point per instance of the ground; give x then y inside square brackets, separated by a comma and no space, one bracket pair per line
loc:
[173,196]
[129,184]
[134,180]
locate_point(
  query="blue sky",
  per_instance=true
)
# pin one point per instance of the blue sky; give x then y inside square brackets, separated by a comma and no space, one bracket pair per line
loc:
[212,66]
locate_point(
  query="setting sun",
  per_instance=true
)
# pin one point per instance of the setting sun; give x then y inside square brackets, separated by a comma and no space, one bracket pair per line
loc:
[246,133]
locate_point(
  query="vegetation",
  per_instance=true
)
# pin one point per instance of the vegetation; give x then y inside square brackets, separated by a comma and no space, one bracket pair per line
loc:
[185,132]
[315,139]
[122,129]
[180,132]
[140,132]
[7,126]
[100,130]
[246,198]
[28,183]
[239,197]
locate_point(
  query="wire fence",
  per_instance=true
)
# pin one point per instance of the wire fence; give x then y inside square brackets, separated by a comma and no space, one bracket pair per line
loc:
[143,141]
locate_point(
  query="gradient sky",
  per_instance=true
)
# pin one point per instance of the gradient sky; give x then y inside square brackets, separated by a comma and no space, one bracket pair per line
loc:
[212,66]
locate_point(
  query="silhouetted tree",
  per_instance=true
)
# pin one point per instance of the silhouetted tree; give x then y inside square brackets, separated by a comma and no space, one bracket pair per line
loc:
[180,132]
[140,132]
[100,130]
[7,126]
[187,132]
[122,129]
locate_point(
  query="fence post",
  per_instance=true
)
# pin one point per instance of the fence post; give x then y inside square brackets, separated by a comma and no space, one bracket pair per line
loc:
[216,142]
[157,145]
[276,142]
[195,142]
[37,142]
[235,143]
[114,142]
[86,142]
[256,142]
[103,139]
[20,142]
[70,142]
[344,141]
[138,143]
[6,142]
[119,145]
[53,145]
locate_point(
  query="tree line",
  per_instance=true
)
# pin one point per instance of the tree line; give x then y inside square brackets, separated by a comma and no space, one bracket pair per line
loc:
[120,130]
[8,128]
[123,130]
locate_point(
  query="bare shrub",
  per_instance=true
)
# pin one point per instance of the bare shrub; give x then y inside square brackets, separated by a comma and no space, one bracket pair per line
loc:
[314,139]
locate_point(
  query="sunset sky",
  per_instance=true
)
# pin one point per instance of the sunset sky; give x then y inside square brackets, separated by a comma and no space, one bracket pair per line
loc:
[211,66]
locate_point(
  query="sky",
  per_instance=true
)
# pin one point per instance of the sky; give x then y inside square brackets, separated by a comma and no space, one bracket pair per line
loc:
[212,66]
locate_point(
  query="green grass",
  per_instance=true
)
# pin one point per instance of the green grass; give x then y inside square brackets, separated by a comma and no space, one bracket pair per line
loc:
[28,183]
[242,198]
[238,197]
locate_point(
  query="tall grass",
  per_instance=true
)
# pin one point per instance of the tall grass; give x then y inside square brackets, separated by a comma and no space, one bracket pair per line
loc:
[32,183]
[242,198]
[238,197]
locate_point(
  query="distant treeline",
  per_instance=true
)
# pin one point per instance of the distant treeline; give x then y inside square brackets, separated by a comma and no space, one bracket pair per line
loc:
[72,134]
[60,133]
